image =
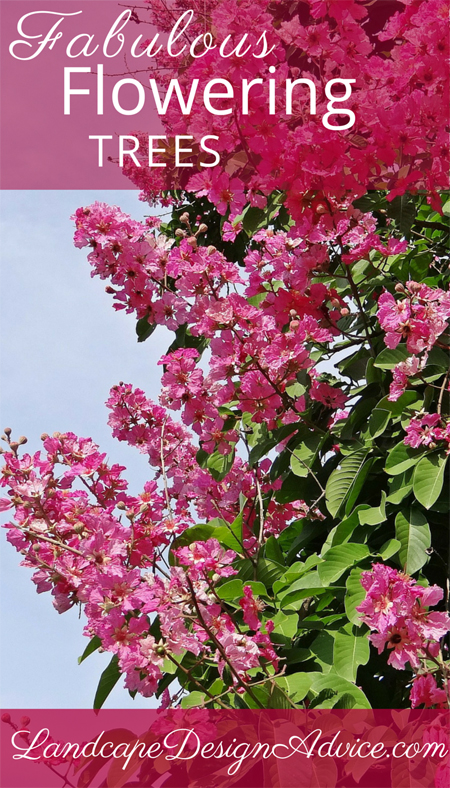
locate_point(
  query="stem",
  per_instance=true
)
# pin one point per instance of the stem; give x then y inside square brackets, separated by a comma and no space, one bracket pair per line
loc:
[42,538]
[220,647]
[441,394]
[361,310]
[163,470]
[194,681]
[261,510]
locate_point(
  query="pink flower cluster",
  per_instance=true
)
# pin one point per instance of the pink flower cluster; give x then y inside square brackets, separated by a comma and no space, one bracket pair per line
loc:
[396,610]
[399,64]
[424,691]
[257,350]
[430,430]
[80,550]
[420,317]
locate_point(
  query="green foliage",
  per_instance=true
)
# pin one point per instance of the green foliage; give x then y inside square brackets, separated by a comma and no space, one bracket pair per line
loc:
[108,681]
[372,498]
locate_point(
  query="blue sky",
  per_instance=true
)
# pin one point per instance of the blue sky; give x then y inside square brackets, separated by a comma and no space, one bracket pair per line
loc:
[63,348]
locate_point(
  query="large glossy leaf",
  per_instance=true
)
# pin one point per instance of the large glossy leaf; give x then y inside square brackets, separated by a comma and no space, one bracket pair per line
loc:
[343,479]
[108,681]
[303,455]
[144,329]
[413,533]
[388,359]
[220,464]
[400,486]
[428,478]
[351,649]
[374,515]
[92,646]
[340,685]
[403,210]
[323,650]
[296,685]
[389,548]
[338,559]
[400,458]
[354,595]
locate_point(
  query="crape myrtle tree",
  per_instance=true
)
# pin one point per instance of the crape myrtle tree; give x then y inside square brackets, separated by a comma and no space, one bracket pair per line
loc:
[289,549]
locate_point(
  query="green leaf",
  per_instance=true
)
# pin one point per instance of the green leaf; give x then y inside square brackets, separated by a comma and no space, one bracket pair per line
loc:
[374,515]
[428,478]
[389,548]
[144,329]
[272,550]
[308,580]
[378,422]
[267,572]
[197,533]
[92,646]
[407,399]
[338,559]
[388,359]
[108,681]
[342,533]
[354,595]
[400,458]
[220,464]
[341,686]
[193,700]
[296,685]
[228,534]
[342,480]
[351,649]
[323,649]
[285,624]
[403,210]
[413,533]
[169,667]
[303,455]
[400,486]
[232,590]
[345,701]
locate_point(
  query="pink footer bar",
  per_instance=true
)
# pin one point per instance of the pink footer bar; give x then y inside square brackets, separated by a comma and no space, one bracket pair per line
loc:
[42,748]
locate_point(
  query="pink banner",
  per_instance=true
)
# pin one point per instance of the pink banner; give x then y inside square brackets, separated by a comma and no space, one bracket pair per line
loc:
[56,101]
[202,748]
[89,83]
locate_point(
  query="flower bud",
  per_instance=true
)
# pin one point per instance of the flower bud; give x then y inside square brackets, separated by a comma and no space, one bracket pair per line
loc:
[192,242]
[7,431]
[44,436]
[6,718]
[203,228]
[211,249]
[345,311]
[121,505]
[399,288]
[179,233]
[184,218]
[22,440]
[24,721]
